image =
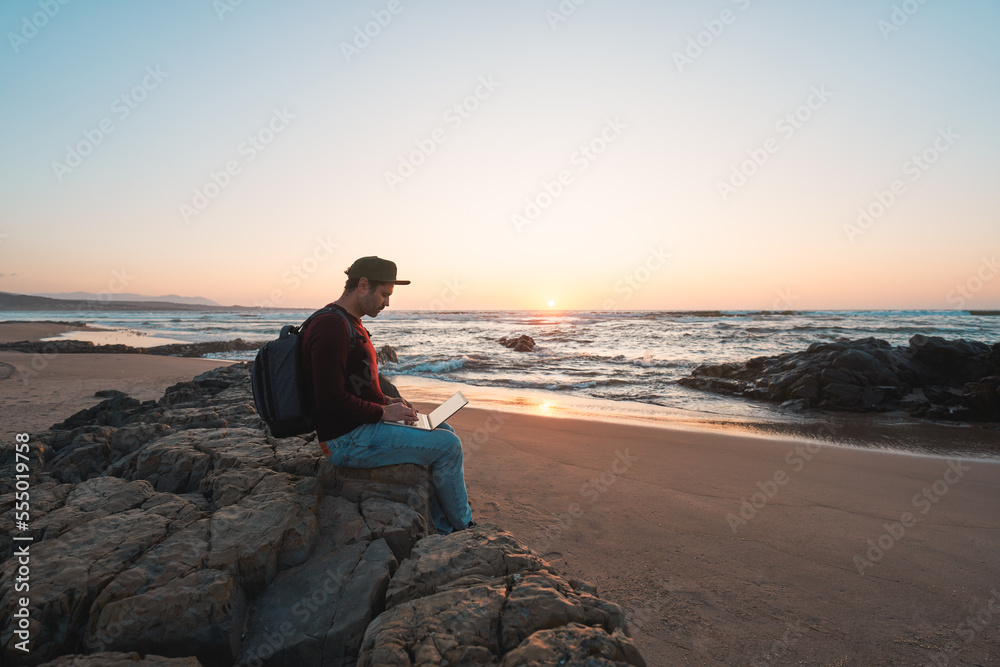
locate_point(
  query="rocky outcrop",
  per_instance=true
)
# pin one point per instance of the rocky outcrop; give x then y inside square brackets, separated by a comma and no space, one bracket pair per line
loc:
[171,350]
[117,659]
[179,532]
[522,343]
[386,354]
[934,378]
[480,597]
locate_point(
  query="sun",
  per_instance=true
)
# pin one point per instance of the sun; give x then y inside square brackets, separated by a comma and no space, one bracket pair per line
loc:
[551,303]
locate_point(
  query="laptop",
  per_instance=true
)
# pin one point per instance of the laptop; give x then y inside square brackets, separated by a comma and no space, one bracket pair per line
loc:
[440,414]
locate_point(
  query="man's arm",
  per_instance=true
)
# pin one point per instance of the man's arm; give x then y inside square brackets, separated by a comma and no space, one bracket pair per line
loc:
[330,345]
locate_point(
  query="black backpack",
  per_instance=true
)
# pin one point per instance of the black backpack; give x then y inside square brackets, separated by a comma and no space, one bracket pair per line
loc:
[283,400]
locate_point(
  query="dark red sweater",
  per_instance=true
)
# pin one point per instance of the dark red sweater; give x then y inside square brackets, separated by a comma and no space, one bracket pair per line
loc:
[337,407]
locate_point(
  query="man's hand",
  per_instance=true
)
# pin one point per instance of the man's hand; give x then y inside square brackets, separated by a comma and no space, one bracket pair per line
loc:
[402,400]
[398,410]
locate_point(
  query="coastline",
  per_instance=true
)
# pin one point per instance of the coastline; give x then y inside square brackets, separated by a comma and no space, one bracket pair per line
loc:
[723,547]
[896,433]
[12,332]
[40,389]
[893,432]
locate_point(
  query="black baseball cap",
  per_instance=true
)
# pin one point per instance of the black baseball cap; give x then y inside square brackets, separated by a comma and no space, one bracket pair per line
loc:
[374,268]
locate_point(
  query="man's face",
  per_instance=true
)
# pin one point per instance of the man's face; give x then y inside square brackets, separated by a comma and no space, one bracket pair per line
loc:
[373,299]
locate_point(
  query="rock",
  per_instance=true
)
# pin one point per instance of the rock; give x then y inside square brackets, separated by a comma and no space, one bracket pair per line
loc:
[259,533]
[85,456]
[386,354]
[522,343]
[457,627]
[408,484]
[957,360]
[201,614]
[474,555]
[127,439]
[862,376]
[110,393]
[956,414]
[537,601]
[46,496]
[316,613]
[173,463]
[206,541]
[118,659]
[982,398]
[575,644]
[173,350]
[340,522]
[399,525]
[179,555]
[110,412]
[69,571]
[945,396]
[93,499]
[477,595]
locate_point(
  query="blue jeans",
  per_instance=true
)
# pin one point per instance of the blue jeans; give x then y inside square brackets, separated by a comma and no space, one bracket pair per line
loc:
[380,444]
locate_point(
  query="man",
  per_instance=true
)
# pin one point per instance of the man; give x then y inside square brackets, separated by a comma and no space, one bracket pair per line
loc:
[350,410]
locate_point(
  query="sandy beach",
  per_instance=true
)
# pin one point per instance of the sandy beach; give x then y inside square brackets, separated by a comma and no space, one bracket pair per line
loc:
[38,390]
[723,548]
[648,515]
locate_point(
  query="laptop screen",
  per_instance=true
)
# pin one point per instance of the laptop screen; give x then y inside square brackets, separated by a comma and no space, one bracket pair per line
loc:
[447,409]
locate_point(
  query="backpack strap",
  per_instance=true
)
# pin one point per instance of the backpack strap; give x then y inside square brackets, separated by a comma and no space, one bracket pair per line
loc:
[365,369]
[302,327]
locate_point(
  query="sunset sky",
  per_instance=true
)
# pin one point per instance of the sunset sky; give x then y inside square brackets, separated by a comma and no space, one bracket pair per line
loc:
[628,155]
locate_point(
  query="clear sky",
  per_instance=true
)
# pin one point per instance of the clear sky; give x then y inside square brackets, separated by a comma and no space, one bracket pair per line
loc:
[733,154]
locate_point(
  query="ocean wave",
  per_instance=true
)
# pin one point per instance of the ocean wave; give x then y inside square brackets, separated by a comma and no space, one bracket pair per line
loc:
[443,366]
[645,362]
[588,384]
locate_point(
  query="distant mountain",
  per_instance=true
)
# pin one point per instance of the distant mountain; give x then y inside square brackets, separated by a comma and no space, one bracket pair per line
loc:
[10,301]
[90,296]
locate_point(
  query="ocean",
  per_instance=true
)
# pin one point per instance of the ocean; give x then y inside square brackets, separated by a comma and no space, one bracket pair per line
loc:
[632,357]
